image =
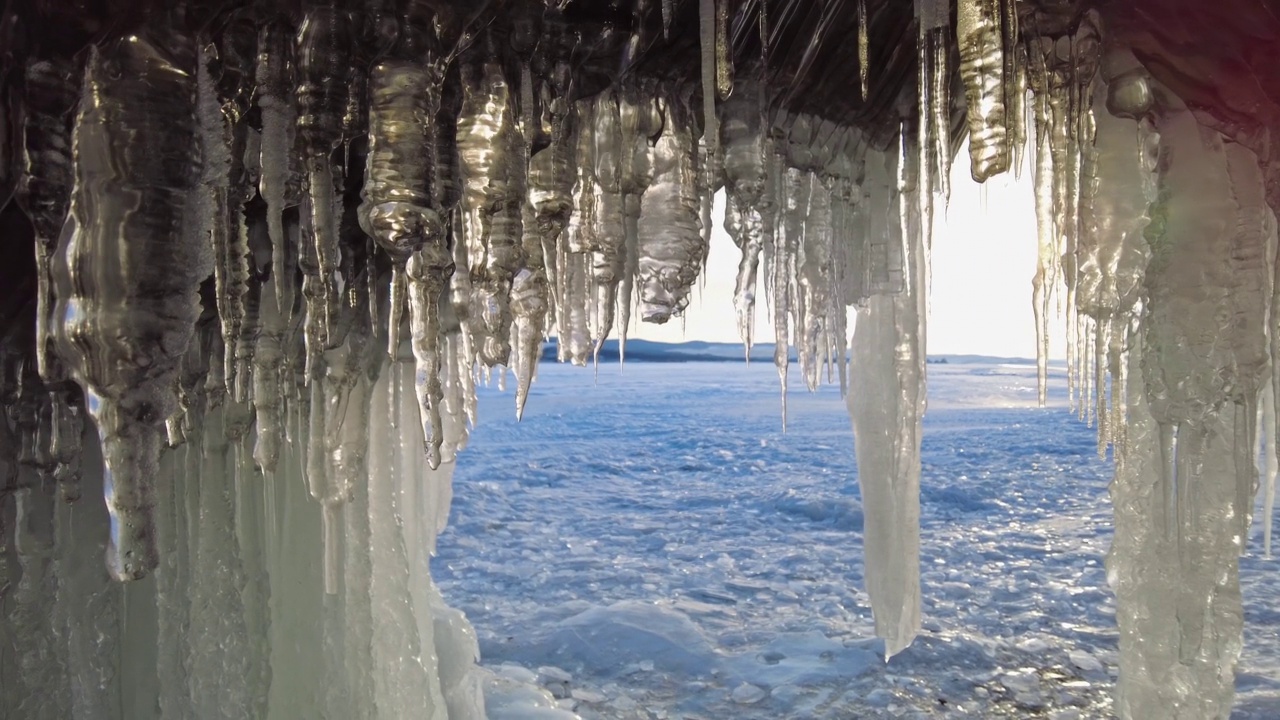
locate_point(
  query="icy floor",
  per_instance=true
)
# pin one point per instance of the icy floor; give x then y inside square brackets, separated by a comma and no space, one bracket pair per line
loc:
[660,549]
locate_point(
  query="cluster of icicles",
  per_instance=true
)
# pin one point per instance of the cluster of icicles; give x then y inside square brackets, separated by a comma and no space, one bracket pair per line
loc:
[443,200]
[447,205]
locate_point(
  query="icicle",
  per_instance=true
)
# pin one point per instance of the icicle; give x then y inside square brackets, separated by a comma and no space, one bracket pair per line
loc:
[44,186]
[709,50]
[668,17]
[65,443]
[323,93]
[864,51]
[126,264]
[274,78]
[492,202]
[1268,434]
[724,52]
[215,214]
[979,37]
[886,401]
[940,76]
[1047,256]
[814,276]
[642,121]
[608,246]
[268,398]
[428,270]
[396,202]
[670,239]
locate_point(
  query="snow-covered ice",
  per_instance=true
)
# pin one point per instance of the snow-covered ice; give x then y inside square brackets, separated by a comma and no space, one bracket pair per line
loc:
[656,538]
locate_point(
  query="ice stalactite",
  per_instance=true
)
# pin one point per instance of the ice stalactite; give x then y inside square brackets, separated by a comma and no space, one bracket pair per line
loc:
[886,402]
[671,245]
[323,76]
[642,121]
[864,51]
[749,207]
[608,238]
[129,257]
[279,182]
[493,196]
[980,38]
[1184,479]
[1117,187]
[397,207]
[793,209]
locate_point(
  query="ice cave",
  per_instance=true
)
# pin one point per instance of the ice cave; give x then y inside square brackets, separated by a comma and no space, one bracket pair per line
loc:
[259,254]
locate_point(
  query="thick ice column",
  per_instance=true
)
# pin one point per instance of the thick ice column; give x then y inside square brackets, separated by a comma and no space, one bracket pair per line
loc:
[1185,473]
[127,278]
[886,402]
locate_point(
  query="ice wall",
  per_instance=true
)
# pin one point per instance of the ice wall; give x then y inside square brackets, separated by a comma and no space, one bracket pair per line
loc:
[239,620]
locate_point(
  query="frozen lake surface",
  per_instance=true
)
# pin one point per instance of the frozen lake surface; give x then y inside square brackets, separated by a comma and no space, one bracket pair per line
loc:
[659,548]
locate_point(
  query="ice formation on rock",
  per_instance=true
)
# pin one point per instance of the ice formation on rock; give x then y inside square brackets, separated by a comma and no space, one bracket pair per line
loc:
[233,212]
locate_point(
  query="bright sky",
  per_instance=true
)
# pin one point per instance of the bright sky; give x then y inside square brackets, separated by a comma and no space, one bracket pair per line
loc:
[984,255]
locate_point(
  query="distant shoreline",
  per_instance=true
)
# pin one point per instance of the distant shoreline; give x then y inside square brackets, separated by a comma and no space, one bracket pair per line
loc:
[701,351]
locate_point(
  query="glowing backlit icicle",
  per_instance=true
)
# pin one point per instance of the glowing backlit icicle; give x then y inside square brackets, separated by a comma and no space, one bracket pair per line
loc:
[44,185]
[274,79]
[864,51]
[671,245]
[724,52]
[323,96]
[887,402]
[396,202]
[131,273]
[492,203]
[940,104]
[980,40]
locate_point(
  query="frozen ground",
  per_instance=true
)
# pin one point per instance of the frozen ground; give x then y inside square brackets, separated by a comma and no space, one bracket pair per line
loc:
[660,549]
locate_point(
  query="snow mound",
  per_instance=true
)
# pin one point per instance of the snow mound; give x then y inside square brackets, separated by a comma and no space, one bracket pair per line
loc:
[625,635]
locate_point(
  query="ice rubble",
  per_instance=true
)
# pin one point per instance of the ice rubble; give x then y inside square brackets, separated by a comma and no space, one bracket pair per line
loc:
[327,180]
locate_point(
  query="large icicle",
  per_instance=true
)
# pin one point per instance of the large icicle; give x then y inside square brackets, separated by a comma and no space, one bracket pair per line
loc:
[671,246]
[397,204]
[128,277]
[979,37]
[493,197]
[886,401]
